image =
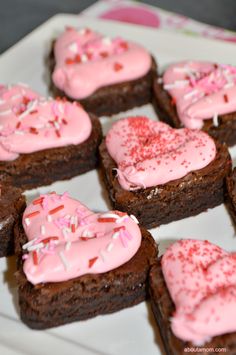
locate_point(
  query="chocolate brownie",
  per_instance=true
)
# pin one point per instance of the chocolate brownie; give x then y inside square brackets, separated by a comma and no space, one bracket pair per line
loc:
[183,197]
[163,309]
[112,98]
[49,304]
[12,205]
[221,126]
[231,194]
[47,166]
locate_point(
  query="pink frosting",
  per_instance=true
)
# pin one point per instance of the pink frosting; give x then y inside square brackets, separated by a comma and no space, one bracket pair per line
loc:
[201,279]
[67,240]
[150,153]
[30,123]
[86,61]
[201,90]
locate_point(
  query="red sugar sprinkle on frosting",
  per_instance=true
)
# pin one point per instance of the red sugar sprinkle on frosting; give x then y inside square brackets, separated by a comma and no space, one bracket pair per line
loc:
[117,66]
[35,257]
[92,261]
[106,220]
[32,214]
[56,209]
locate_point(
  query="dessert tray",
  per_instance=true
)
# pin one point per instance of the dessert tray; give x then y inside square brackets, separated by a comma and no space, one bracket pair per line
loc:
[133,330]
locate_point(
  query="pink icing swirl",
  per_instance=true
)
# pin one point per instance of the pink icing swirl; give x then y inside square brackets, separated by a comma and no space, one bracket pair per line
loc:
[201,280]
[150,153]
[67,240]
[201,90]
[29,123]
[86,61]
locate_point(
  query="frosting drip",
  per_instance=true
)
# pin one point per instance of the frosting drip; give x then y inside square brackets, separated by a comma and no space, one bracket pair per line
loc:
[201,90]
[67,240]
[29,123]
[150,153]
[201,280]
[86,61]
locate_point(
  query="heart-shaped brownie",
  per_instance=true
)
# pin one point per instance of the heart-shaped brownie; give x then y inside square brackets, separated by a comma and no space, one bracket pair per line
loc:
[67,240]
[86,61]
[201,279]
[29,122]
[149,153]
[201,90]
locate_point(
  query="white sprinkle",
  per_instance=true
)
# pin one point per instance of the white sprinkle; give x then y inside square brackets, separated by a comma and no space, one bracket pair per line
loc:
[49,218]
[228,85]
[61,108]
[110,215]
[68,246]
[215,120]
[15,96]
[160,80]
[110,247]
[115,235]
[82,31]
[134,218]
[35,247]
[84,58]
[107,41]
[121,219]
[177,84]
[56,124]
[190,94]
[28,244]
[27,221]
[73,47]
[7,112]
[31,106]
[19,133]
[101,253]
[64,260]
[65,233]
[88,234]
[42,229]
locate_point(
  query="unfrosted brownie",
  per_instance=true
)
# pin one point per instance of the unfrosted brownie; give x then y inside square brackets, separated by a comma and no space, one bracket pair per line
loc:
[88,264]
[43,141]
[12,205]
[203,325]
[199,95]
[184,189]
[118,74]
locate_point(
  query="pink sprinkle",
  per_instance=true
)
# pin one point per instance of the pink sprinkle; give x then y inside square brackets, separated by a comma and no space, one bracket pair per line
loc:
[123,240]
[127,234]
[25,256]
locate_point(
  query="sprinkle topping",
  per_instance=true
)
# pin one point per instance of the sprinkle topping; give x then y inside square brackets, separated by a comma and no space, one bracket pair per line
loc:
[150,153]
[67,240]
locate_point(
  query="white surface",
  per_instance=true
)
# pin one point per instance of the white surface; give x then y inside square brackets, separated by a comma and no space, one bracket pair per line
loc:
[131,331]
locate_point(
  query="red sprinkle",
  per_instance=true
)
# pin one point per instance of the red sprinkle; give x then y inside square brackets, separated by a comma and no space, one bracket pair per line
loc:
[58,133]
[33,214]
[69,61]
[92,261]
[57,209]
[73,228]
[173,101]
[77,58]
[117,229]
[106,219]
[47,240]
[38,201]
[104,54]
[64,121]
[84,239]
[25,100]
[117,66]
[33,130]
[18,125]
[34,111]
[35,257]
[226,99]
[124,45]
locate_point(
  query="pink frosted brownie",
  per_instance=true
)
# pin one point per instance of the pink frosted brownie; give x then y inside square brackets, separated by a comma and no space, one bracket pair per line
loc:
[42,140]
[199,95]
[161,174]
[75,264]
[107,75]
[193,297]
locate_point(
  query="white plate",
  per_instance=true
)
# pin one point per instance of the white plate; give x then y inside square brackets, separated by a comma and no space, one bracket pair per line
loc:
[131,331]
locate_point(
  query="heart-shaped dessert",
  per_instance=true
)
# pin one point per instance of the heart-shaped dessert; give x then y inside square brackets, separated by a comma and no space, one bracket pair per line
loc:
[86,61]
[29,122]
[201,279]
[201,90]
[67,240]
[150,153]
